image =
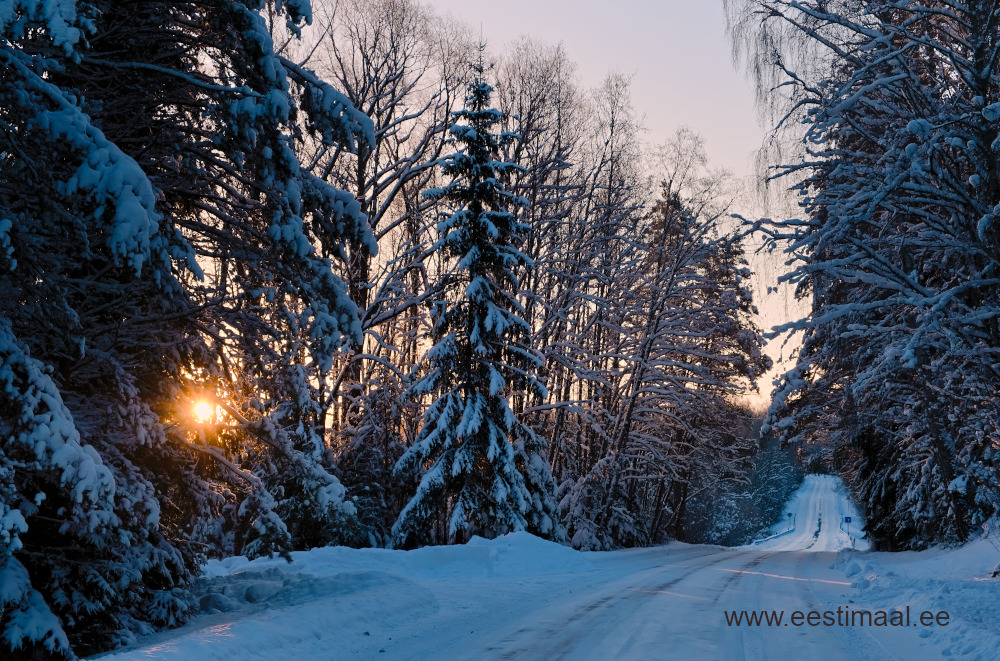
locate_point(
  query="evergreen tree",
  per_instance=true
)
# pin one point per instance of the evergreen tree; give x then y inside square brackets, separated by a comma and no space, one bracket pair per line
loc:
[158,238]
[485,472]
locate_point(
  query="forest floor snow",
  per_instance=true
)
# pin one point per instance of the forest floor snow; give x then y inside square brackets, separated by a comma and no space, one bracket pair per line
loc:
[520,597]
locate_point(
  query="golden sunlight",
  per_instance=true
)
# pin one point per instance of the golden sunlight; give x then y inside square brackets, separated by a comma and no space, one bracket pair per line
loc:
[203,411]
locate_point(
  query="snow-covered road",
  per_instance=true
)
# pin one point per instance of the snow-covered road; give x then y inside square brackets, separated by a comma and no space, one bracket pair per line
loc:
[677,606]
[818,511]
[677,610]
[520,597]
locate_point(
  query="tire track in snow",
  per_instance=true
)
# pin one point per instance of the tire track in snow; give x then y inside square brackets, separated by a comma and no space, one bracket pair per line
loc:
[566,637]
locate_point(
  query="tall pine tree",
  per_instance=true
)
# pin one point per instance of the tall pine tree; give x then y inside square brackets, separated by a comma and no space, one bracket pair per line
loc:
[485,472]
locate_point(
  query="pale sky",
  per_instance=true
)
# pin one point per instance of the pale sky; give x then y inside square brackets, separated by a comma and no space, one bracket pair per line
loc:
[677,51]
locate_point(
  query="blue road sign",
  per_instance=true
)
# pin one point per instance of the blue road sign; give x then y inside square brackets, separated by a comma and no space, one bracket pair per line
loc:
[847,519]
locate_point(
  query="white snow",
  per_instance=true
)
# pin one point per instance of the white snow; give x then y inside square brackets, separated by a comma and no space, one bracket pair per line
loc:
[28,614]
[58,17]
[992,112]
[817,510]
[956,581]
[520,597]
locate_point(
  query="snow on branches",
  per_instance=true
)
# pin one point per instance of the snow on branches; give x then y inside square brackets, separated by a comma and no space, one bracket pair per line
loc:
[899,179]
[482,475]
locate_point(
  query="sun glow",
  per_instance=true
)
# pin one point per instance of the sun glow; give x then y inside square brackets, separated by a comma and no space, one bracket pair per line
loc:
[203,411]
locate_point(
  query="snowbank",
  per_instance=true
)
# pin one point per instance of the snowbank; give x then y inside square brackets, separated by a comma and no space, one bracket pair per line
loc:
[357,601]
[956,581]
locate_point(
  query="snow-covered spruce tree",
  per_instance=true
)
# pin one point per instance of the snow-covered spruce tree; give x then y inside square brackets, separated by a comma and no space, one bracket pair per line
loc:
[484,471]
[83,559]
[264,235]
[156,236]
[899,251]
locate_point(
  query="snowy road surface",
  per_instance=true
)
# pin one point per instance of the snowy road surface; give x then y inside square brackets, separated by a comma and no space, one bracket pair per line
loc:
[520,597]
[818,510]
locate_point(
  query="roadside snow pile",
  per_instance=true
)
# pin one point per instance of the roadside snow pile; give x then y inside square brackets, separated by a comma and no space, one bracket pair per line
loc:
[515,554]
[523,554]
[345,600]
[956,581]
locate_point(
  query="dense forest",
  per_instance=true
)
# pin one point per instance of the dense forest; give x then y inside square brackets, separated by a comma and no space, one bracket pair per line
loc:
[886,128]
[277,275]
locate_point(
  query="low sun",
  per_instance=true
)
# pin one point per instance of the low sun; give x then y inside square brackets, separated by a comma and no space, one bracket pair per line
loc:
[203,411]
